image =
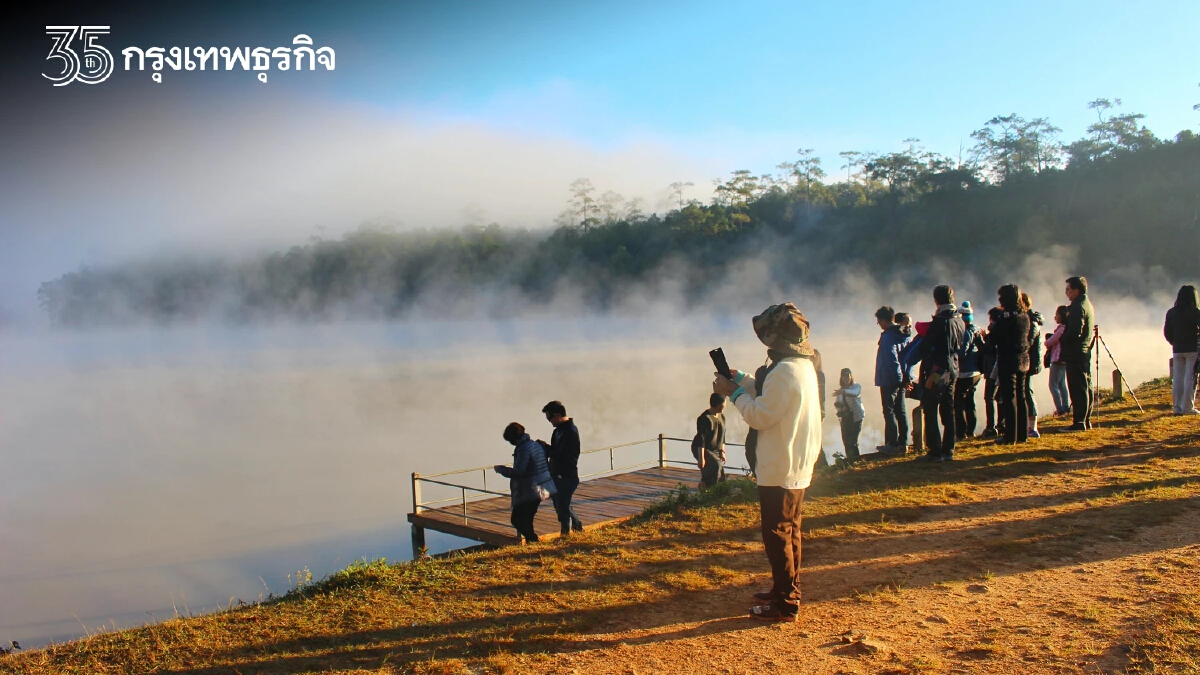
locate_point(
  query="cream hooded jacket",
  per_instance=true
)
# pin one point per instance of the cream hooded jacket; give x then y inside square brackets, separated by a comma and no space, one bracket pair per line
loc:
[788,419]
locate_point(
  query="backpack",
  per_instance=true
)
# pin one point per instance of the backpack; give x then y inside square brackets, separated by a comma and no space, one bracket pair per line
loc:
[1036,347]
[697,446]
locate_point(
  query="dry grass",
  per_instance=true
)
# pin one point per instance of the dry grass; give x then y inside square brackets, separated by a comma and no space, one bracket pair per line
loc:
[900,535]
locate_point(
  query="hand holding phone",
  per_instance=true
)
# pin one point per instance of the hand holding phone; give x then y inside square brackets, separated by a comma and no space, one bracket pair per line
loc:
[718,358]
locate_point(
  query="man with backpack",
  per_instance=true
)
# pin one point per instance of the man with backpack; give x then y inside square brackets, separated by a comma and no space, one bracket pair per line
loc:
[708,446]
[939,374]
[562,453]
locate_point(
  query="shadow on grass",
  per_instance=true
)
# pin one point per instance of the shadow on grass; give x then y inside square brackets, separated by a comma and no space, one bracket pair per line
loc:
[1021,545]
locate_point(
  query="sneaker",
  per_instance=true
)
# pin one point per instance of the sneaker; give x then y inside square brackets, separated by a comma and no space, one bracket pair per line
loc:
[1193,411]
[774,612]
[928,457]
[1078,426]
[893,450]
[1033,433]
[988,433]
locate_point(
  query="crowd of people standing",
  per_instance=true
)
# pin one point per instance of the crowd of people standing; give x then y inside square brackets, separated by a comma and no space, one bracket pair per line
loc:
[940,363]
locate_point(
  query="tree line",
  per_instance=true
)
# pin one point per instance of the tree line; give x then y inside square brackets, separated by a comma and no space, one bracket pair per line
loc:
[1125,201]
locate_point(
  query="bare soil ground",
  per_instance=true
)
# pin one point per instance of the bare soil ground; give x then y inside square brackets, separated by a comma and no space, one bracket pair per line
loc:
[1076,553]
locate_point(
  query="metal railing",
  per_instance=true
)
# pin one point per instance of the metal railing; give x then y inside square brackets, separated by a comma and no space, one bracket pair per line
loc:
[478,493]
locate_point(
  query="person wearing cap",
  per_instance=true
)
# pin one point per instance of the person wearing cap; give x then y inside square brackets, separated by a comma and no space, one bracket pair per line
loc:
[781,405]
[970,364]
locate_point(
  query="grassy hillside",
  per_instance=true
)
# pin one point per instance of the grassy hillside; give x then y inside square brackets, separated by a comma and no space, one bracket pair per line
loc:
[1075,553]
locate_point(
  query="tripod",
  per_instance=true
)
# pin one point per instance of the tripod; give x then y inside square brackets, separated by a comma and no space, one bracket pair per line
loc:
[1097,339]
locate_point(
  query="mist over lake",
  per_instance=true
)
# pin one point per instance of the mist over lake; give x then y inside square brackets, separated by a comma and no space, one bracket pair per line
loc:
[151,471]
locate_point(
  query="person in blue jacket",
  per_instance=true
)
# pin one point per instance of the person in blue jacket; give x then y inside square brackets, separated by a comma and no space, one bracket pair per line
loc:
[889,377]
[529,481]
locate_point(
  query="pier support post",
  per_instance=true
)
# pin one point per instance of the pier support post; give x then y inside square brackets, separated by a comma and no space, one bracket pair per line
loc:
[1118,386]
[662,451]
[418,541]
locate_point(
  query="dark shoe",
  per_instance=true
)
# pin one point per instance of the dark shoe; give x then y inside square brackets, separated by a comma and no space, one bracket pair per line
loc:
[1076,427]
[882,448]
[889,450]
[765,597]
[928,457]
[774,612]
[577,526]
[988,433]
[946,458]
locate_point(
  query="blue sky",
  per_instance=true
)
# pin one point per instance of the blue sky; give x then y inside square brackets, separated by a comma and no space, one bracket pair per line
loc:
[837,76]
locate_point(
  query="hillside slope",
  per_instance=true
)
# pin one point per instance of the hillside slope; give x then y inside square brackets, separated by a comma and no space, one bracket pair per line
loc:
[1075,553]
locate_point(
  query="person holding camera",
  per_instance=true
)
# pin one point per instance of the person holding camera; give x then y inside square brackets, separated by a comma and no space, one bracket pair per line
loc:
[781,405]
[1076,349]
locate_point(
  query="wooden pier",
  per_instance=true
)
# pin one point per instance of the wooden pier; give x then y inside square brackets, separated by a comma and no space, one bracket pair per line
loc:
[609,495]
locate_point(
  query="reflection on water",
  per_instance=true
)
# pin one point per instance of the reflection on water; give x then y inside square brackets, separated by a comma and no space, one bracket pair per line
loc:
[149,472]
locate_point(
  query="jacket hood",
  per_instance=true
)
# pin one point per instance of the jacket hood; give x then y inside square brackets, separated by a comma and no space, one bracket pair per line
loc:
[1036,317]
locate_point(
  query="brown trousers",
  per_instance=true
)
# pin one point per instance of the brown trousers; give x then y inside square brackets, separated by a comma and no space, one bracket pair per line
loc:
[780,509]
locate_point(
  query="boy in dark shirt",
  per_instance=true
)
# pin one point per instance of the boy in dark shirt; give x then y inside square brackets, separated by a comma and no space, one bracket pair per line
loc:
[563,455]
[709,445]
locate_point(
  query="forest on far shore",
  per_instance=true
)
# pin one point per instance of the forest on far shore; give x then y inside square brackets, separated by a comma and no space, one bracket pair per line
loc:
[1124,201]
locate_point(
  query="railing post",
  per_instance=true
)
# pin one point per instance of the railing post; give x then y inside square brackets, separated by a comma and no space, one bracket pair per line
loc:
[418,532]
[662,452]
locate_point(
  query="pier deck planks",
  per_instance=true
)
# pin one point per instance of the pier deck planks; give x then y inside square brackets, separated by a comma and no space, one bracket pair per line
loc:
[597,502]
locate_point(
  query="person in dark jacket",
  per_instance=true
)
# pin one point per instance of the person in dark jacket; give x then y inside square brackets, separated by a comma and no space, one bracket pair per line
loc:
[889,377]
[970,367]
[1076,346]
[1012,365]
[1181,329]
[529,479]
[710,434]
[562,452]
[939,352]
[989,375]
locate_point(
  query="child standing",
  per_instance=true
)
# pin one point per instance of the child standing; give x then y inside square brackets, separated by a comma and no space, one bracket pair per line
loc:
[847,400]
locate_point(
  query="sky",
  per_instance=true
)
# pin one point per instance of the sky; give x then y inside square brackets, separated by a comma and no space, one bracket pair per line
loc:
[448,113]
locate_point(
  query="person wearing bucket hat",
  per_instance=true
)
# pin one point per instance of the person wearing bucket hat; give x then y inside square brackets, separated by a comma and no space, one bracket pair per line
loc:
[970,368]
[781,404]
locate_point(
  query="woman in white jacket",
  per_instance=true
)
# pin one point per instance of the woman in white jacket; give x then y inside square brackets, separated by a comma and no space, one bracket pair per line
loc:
[781,405]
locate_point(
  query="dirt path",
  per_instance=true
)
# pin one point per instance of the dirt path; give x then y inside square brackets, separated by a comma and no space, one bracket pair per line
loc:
[1045,574]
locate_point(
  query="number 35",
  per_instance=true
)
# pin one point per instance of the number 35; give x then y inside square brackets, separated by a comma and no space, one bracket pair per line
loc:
[97,62]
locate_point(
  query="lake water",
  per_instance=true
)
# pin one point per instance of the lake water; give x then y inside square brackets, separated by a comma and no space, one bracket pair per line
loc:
[149,472]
